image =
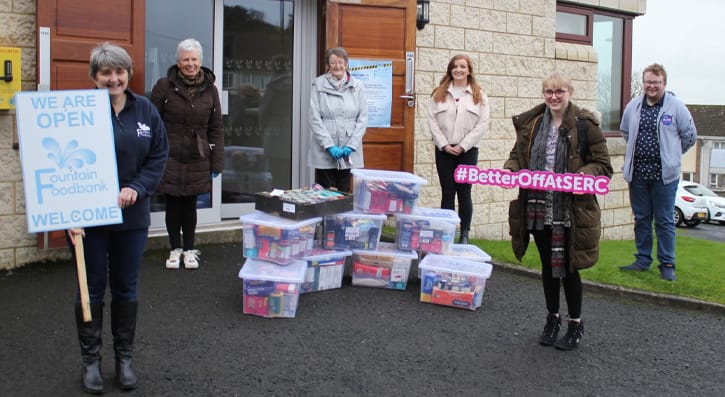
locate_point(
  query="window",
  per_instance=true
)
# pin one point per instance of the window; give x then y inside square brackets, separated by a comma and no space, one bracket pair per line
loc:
[717,181]
[610,33]
[687,176]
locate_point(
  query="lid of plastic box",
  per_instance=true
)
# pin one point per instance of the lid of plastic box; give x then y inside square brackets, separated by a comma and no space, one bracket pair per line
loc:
[453,264]
[320,254]
[356,214]
[388,176]
[468,251]
[263,218]
[387,249]
[440,214]
[255,269]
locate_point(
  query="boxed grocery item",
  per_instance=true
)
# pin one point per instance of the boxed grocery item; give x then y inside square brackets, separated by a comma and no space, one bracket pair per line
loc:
[324,270]
[453,281]
[385,267]
[271,290]
[277,239]
[303,203]
[426,229]
[352,230]
[385,192]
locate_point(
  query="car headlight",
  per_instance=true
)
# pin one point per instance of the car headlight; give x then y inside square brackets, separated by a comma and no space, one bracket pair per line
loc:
[718,205]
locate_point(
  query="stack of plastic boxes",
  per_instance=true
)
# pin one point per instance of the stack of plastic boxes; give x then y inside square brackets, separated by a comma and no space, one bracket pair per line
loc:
[377,194]
[275,268]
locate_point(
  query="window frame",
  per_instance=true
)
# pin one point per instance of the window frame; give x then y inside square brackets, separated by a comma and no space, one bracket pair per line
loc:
[588,39]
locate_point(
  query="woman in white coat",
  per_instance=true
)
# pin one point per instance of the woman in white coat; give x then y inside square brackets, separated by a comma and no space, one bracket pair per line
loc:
[338,119]
[458,117]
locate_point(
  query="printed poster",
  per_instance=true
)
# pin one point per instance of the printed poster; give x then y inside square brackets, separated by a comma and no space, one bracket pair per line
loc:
[68,159]
[377,76]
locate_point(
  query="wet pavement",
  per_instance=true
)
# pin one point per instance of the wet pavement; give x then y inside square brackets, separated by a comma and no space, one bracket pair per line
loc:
[193,340]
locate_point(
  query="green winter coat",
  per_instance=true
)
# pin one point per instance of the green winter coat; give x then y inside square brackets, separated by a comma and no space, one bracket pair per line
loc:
[585,227]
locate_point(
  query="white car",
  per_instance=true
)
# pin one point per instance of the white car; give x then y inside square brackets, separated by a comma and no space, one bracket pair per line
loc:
[715,204]
[690,208]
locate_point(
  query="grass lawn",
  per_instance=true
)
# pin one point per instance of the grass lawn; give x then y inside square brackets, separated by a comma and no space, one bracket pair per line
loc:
[700,267]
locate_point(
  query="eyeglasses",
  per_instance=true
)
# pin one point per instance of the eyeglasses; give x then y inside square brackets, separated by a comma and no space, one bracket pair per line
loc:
[652,82]
[559,93]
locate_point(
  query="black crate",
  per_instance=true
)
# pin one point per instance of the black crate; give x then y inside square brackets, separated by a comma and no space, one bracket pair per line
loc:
[308,204]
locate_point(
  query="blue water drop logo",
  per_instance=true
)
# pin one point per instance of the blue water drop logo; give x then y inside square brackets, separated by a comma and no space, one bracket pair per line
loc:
[71,157]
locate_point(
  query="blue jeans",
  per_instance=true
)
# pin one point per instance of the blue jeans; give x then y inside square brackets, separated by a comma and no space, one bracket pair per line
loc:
[653,201]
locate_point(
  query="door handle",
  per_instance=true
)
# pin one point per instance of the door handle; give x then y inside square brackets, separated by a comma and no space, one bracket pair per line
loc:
[411,100]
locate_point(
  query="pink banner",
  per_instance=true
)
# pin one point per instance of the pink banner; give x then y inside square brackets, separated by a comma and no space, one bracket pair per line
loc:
[537,180]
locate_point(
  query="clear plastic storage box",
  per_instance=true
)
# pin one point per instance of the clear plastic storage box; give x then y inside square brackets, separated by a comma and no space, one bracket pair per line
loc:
[452,281]
[352,230]
[271,290]
[324,270]
[468,252]
[277,239]
[426,229]
[385,192]
[386,267]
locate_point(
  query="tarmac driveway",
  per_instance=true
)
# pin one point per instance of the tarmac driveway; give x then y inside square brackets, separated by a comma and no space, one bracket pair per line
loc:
[193,340]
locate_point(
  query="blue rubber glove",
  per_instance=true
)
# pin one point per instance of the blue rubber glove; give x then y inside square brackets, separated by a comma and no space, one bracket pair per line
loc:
[214,174]
[346,151]
[335,152]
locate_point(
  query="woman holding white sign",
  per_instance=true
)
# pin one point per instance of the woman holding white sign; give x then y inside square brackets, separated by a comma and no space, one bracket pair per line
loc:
[458,115]
[558,136]
[113,253]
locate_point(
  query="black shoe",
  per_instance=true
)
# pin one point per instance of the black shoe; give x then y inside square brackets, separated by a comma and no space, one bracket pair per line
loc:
[463,238]
[574,334]
[551,330]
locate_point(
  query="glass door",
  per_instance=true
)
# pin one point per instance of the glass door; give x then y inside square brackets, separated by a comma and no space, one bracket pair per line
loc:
[165,28]
[257,81]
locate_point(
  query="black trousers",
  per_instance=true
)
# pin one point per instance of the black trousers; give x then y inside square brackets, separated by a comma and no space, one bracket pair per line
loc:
[339,179]
[181,217]
[445,165]
[572,281]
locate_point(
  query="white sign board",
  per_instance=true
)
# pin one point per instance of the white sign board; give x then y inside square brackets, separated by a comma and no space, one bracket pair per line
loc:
[68,159]
[377,76]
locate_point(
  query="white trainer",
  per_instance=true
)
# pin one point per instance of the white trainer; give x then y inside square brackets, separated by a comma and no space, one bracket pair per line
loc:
[191,259]
[174,258]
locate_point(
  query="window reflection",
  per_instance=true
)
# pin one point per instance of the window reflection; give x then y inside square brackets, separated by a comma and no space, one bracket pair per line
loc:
[257,56]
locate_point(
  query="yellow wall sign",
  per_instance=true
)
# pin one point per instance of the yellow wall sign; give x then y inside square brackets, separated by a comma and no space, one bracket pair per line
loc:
[9,76]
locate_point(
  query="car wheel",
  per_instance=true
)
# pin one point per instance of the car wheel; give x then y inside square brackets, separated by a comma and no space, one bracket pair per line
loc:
[678,217]
[692,222]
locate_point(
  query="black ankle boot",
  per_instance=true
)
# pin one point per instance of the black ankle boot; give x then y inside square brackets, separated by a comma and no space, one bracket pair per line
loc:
[551,330]
[463,239]
[89,337]
[123,326]
[574,334]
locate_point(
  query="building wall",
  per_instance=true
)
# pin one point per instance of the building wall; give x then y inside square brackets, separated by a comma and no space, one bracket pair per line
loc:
[17,246]
[513,46]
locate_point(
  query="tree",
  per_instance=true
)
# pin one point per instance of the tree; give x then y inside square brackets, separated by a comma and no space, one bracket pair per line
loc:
[636,84]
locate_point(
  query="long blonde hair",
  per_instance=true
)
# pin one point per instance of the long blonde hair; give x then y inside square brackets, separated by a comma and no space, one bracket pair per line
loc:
[440,92]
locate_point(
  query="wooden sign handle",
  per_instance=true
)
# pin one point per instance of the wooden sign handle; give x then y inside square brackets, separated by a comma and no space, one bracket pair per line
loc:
[82,281]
